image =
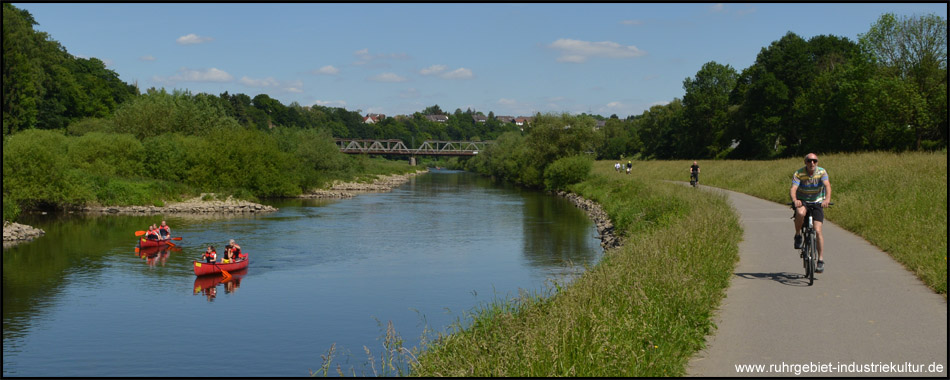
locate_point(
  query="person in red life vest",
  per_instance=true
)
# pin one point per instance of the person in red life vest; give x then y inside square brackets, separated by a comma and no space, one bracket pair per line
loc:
[210,255]
[164,231]
[235,249]
[152,233]
[227,258]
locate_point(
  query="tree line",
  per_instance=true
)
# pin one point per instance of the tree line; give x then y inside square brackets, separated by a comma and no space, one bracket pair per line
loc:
[74,133]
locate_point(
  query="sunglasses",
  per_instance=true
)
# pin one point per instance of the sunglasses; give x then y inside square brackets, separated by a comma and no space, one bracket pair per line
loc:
[811,160]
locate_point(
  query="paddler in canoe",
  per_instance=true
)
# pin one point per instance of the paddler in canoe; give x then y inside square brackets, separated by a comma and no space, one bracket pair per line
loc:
[210,255]
[152,233]
[164,231]
[232,253]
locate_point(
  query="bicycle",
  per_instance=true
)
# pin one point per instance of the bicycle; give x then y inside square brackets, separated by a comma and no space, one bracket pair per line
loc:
[693,179]
[809,248]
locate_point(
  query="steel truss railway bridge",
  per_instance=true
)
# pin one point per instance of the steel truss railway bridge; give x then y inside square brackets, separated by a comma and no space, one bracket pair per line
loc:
[398,147]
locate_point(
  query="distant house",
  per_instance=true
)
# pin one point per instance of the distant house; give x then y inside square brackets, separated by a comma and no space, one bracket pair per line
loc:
[600,124]
[505,119]
[438,118]
[480,118]
[373,118]
[522,120]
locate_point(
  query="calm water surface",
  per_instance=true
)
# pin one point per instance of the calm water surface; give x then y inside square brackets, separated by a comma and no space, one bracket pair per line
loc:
[80,302]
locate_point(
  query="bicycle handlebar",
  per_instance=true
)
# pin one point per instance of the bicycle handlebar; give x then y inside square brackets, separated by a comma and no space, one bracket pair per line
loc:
[808,203]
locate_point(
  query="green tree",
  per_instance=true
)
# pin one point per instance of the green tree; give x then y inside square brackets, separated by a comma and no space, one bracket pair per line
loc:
[914,49]
[706,108]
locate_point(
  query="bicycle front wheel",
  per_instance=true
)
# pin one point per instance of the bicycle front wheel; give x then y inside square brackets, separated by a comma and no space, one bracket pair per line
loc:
[812,258]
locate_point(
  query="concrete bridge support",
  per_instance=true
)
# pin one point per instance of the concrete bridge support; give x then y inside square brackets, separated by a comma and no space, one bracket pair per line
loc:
[412,160]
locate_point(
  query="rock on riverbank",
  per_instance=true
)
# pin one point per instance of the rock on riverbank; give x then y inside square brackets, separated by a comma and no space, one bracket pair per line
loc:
[15,233]
[192,206]
[342,190]
[605,227]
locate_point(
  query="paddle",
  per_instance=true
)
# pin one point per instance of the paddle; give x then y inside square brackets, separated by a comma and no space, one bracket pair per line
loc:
[139,233]
[176,238]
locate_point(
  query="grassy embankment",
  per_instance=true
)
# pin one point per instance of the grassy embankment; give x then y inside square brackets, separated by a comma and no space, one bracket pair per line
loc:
[645,308]
[641,311]
[898,202]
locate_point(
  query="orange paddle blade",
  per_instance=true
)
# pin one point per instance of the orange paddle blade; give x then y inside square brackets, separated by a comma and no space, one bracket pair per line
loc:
[176,238]
[139,233]
[170,243]
[226,274]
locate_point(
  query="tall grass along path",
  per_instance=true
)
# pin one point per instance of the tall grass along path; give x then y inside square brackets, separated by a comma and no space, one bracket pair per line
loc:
[864,309]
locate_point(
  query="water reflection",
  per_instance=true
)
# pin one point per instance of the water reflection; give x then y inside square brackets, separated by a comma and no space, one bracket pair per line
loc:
[156,255]
[208,285]
[325,271]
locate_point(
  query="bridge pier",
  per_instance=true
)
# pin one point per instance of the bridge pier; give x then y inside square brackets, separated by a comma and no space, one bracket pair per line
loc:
[412,160]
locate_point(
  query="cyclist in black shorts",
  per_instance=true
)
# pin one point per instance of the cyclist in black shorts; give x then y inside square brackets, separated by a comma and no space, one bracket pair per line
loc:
[811,184]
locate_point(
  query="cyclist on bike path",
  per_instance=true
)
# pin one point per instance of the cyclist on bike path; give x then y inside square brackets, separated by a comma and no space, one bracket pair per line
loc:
[694,171]
[811,184]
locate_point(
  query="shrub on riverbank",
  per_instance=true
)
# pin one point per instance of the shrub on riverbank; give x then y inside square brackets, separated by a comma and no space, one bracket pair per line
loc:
[897,201]
[45,169]
[642,311]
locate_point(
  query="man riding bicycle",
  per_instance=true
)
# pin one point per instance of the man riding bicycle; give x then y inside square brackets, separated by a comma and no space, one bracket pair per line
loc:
[694,171]
[811,184]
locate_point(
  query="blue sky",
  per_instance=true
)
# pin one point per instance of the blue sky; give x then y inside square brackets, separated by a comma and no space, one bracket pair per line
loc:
[512,59]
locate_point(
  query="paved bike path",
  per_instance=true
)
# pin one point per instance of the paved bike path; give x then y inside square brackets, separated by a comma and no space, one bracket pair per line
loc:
[864,309]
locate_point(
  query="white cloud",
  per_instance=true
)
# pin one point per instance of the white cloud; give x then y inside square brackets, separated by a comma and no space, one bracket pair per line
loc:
[632,22]
[270,82]
[433,70]
[191,39]
[327,70]
[615,105]
[146,58]
[577,51]
[440,70]
[388,77]
[660,103]
[364,57]
[189,75]
[507,102]
[460,73]
[267,82]
[330,103]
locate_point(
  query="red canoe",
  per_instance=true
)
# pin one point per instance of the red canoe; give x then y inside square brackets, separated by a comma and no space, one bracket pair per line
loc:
[202,268]
[145,243]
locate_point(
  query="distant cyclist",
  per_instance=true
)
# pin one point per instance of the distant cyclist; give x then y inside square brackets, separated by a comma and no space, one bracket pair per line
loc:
[811,184]
[694,171]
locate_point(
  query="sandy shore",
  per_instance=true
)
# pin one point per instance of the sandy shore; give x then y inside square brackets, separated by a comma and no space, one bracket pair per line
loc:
[342,190]
[195,205]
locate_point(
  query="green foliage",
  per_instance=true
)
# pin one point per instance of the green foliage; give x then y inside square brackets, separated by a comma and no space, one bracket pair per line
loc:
[157,112]
[37,172]
[89,124]
[104,154]
[566,171]
[46,87]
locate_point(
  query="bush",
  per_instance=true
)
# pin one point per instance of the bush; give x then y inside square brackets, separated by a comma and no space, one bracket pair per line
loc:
[566,171]
[90,124]
[107,154]
[37,173]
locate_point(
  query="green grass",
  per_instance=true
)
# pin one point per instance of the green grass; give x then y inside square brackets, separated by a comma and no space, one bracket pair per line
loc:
[897,202]
[643,310]
[646,307]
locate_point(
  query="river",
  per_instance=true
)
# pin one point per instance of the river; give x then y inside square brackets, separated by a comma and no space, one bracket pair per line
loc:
[80,302]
